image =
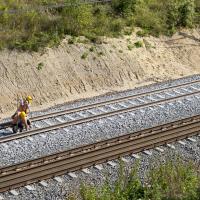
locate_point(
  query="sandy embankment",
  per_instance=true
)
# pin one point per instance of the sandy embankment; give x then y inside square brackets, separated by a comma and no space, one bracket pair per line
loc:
[112,66]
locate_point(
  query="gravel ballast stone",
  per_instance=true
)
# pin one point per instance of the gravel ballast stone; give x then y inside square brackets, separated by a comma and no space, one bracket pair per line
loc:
[75,136]
[56,190]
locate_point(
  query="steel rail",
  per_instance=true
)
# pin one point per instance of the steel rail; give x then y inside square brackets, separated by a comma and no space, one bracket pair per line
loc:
[88,119]
[88,147]
[103,103]
[72,162]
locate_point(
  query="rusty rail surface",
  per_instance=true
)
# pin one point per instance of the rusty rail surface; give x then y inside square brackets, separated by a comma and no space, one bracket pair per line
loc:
[71,160]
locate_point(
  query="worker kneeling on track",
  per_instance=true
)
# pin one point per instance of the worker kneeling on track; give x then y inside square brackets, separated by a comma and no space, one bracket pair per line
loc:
[22,123]
[20,118]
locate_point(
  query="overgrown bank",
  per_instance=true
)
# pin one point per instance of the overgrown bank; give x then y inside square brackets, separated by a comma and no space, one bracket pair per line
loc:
[173,180]
[32,27]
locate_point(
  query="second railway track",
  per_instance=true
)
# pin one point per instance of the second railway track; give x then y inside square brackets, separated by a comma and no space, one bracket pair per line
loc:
[185,90]
[88,155]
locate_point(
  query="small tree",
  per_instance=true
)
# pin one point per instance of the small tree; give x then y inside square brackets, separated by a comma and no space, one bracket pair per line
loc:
[175,180]
[180,13]
[124,7]
[187,13]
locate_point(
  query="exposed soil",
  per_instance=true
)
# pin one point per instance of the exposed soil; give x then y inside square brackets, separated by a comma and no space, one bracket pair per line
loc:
[111,66]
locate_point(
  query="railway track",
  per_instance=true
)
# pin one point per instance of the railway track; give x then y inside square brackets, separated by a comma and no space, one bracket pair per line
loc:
[95,105]
[71,160]
[126,104]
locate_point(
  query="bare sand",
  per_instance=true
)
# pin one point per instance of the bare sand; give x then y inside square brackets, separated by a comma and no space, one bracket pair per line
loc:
[114,65]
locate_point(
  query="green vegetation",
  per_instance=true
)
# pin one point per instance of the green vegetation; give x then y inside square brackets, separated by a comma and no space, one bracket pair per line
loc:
[147,44]
[72,40]
[91,49]
[40,66]
[138,44]
[142,33]
[174,180]
[33,27]
[100,53]
[130,47]
[84,55]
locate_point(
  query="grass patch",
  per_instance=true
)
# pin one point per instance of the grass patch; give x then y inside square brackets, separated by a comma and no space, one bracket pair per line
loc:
[91,49]
[40,28]
[147,44]
[84,55]
[40,66]
[142,33]
[72,40]
[83,40]
[130,47]
[128,30]
[173,180]
[138,44]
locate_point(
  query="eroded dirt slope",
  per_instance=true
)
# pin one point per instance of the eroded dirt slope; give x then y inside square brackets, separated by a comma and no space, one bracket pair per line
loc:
[114,65]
